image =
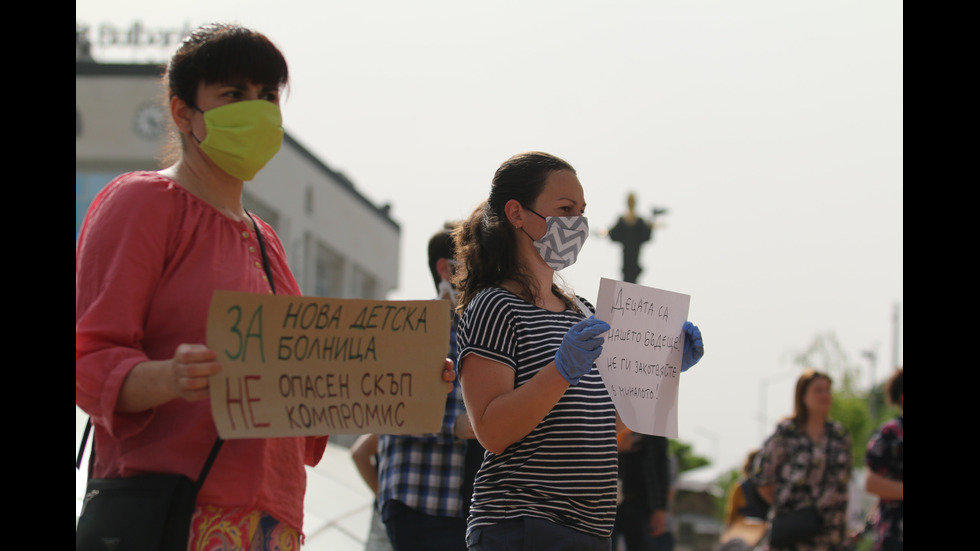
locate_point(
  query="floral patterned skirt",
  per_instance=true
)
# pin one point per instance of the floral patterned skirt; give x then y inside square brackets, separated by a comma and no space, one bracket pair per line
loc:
[240,529]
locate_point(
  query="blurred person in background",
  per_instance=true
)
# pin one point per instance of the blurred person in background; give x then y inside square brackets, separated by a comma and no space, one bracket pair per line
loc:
[644,496]
[805,463]
[745,512]
[886,469]
[421,478]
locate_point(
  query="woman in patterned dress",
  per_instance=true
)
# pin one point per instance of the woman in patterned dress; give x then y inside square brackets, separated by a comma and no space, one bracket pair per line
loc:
[807,461]
[886,473]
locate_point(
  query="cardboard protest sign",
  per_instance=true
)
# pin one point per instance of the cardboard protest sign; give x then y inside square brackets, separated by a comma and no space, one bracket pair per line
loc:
[641,357]
[300,366]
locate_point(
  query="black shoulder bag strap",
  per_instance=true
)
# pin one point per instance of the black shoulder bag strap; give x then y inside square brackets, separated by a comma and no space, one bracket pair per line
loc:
[272,284]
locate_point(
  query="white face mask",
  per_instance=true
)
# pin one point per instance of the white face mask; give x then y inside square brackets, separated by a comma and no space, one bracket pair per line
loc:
[446,290]
[562,241]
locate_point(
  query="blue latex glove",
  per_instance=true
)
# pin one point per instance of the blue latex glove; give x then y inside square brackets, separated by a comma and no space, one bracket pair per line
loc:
[579,349]
[693,346]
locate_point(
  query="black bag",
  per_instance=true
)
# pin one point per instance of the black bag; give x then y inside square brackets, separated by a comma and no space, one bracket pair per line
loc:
[755,506]
[793,527]
[141,513]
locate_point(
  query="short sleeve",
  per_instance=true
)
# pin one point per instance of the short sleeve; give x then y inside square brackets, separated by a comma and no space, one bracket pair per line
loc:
[487,329]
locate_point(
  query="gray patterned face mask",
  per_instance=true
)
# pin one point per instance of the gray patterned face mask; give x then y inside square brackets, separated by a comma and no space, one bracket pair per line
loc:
[561,243]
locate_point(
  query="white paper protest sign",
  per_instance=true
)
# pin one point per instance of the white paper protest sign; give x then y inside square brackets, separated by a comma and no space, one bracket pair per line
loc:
[640,362]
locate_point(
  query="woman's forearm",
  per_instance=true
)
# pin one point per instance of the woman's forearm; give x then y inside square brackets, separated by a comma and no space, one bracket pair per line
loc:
[502,414]
[156,382]
[884,487]
[146,387]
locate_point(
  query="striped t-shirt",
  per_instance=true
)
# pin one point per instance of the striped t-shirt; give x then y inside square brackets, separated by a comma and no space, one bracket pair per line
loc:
[565,469]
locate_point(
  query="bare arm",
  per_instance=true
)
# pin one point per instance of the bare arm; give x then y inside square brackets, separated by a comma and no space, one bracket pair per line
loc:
[462,428]
[361,452]
[884,487]
[658,522]
[501,414]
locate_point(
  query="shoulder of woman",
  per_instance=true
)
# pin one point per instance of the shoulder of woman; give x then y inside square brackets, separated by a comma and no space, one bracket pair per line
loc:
[491,297]
[490,308]
[895,425]
[133,198]
[138,186]
[785,431]
[786,427]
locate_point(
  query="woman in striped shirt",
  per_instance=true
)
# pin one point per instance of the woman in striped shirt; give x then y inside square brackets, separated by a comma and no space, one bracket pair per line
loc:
[527,349]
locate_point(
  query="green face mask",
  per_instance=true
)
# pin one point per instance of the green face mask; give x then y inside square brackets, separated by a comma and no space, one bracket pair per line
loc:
[243,136]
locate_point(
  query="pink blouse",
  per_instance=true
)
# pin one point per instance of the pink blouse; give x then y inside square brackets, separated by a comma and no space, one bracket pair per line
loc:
[149,256]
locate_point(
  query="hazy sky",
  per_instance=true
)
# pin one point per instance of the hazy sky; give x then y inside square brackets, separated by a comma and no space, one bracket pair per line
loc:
[772,131]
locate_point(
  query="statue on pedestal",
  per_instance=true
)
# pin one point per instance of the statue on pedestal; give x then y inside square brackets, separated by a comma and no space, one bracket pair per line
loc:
[632,232]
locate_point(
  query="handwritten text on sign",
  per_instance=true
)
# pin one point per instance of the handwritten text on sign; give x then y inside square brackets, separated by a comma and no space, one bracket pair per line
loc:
[641,357]
[303,366]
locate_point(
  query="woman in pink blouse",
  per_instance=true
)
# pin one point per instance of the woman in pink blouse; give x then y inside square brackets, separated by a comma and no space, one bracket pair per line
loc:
[153,248]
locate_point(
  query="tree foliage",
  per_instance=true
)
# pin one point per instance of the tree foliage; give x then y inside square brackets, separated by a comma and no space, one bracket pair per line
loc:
[686,458]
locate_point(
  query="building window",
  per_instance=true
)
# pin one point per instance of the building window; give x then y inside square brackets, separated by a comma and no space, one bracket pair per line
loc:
[329,276]
[363,284]
[308,203]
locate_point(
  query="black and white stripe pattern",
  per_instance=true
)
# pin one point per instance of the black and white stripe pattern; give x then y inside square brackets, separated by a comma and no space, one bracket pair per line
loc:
[565,469]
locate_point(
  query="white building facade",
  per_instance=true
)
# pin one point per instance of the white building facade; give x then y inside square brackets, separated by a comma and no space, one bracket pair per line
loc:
[337,242]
